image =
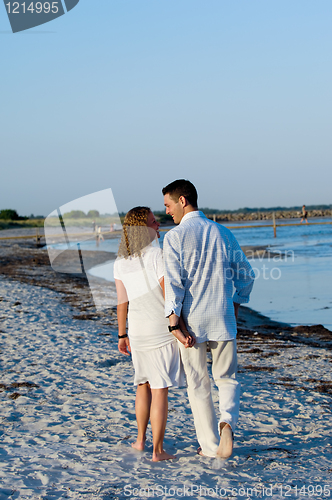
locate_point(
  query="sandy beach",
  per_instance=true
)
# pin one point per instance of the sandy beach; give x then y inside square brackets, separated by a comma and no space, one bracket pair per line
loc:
[67,412]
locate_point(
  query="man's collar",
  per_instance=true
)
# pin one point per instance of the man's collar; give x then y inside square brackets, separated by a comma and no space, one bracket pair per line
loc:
[190,215]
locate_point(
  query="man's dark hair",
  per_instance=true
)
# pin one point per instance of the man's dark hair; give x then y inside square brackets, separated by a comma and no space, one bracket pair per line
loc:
[182,187]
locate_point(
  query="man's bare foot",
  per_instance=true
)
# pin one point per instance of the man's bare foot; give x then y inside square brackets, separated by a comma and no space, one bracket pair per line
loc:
[158,457]
[138,445]
[225,448]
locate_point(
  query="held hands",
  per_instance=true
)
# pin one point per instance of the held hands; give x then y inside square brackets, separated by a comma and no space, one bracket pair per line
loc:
[124,346]
[184,337]
[181,333]
[190,340]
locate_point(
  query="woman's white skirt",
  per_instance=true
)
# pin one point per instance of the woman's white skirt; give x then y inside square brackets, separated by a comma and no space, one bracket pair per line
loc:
[161,367]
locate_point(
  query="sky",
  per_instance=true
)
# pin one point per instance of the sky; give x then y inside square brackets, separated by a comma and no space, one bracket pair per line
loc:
[132,94]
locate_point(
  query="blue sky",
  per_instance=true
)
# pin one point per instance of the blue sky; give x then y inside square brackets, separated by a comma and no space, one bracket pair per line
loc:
[132,94]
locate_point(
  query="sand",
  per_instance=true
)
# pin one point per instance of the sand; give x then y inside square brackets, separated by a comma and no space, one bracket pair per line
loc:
[67,412]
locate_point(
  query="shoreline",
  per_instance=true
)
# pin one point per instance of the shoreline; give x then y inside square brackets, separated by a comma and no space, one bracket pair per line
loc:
[24,262]
[224,218]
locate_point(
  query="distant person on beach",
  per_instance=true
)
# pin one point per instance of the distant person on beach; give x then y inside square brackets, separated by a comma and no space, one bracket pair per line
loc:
[99,235]
[139,279]
[304,214]
[203,262]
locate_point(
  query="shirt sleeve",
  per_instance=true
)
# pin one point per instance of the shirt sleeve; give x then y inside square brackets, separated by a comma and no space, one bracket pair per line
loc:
[242,274]
[159,263]
[174,286]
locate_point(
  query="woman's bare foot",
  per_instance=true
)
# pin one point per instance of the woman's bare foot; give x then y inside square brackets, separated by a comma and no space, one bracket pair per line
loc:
[158,457]
[138,445]
[225,448]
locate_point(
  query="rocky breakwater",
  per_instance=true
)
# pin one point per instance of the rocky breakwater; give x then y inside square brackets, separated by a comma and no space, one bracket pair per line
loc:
[267,215]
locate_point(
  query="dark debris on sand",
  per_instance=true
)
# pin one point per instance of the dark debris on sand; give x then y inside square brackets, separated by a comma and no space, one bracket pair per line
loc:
[16,385]
[24,262]
[252,324]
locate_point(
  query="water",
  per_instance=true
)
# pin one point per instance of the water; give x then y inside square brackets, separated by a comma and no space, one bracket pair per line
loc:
[110,245]
[304,240]
[296,289]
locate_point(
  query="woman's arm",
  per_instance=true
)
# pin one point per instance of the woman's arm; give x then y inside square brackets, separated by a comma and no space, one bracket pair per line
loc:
[162,284]
[122,310]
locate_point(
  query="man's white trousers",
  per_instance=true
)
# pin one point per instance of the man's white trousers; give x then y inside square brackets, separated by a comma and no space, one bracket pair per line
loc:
[224,369]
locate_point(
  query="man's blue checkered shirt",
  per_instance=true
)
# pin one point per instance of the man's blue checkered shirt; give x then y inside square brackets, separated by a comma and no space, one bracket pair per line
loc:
[203,265]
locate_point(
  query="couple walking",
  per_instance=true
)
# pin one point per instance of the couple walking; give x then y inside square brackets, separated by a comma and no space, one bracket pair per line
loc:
[177,302]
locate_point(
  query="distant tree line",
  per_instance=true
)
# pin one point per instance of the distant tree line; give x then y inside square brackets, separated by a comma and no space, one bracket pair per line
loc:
[9,214]
[32,216]
[12,215]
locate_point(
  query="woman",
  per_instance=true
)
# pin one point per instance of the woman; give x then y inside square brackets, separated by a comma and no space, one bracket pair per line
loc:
[138,273]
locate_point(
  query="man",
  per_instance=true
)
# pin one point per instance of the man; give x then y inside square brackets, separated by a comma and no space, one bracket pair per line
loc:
[203,262]
[304,214]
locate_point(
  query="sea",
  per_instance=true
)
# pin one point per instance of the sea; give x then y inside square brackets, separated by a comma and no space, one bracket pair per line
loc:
[293,285]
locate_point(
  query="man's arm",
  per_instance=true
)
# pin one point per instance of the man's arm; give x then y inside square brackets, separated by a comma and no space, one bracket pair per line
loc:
[242,274]
[181,334]
[174,286]
[174,290]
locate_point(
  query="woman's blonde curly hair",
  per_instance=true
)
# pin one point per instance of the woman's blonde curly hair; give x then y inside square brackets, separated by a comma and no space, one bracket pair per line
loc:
[135,232]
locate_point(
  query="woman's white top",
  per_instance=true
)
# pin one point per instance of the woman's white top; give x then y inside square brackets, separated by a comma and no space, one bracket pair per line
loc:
[147,325]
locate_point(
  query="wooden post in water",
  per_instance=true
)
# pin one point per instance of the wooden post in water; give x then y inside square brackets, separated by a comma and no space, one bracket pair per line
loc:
[37,236]
[274,224]
[214,217]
